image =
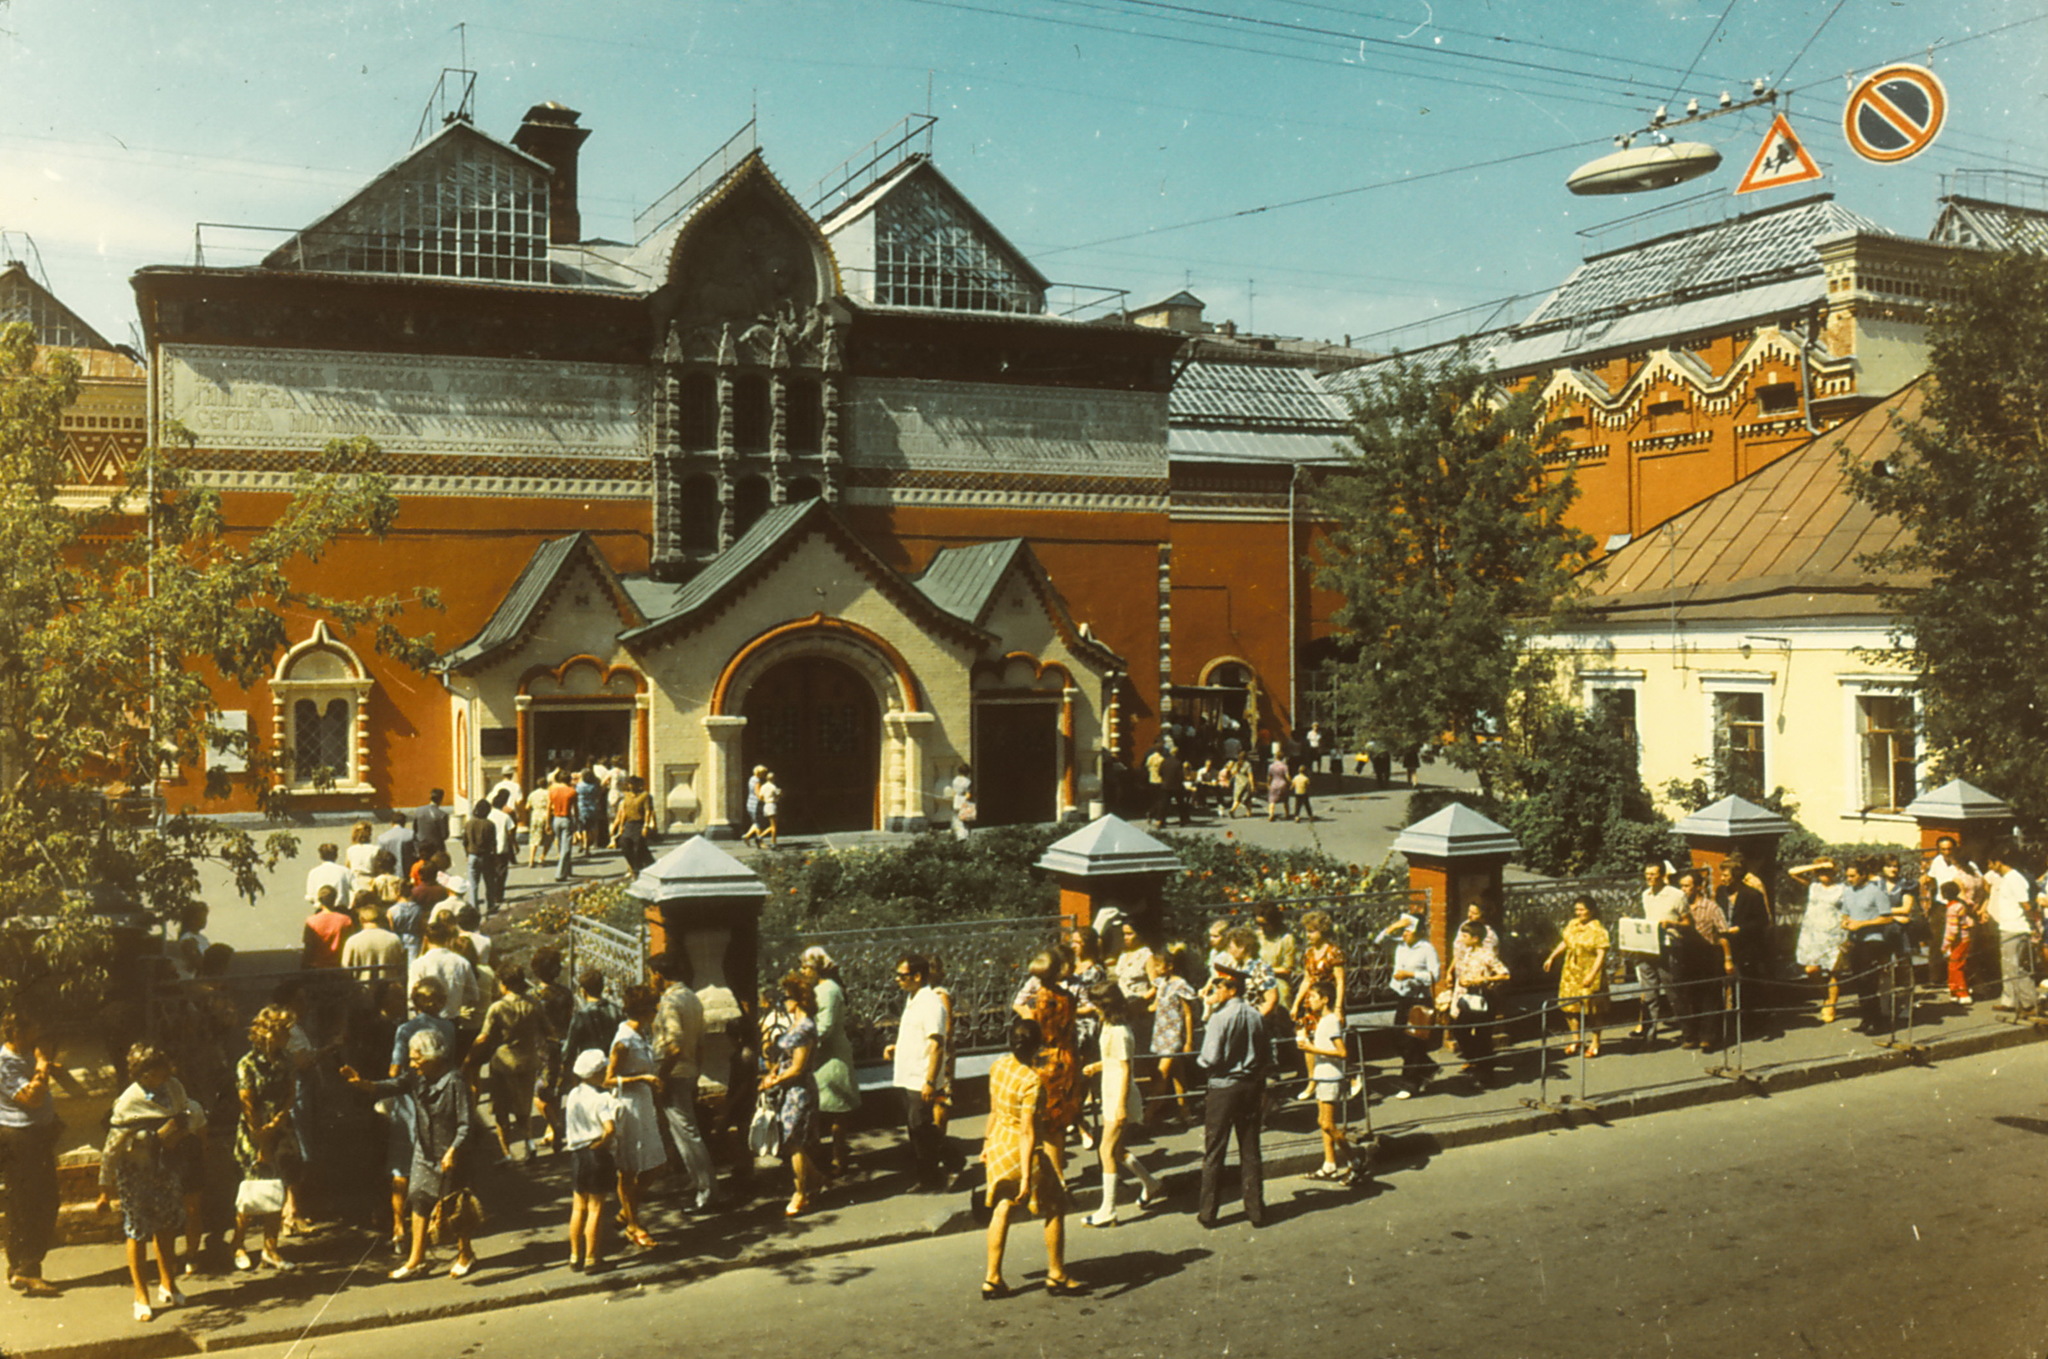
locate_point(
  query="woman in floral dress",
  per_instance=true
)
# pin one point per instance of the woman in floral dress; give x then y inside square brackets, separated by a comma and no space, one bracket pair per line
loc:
[266,1147]
[1582,985]
[150,1118]
[1822,935]
[795,1052]
[1173,1003]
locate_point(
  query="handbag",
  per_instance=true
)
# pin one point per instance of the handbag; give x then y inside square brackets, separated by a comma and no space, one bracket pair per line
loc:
[764,1134]
[968,812]
[259,1198]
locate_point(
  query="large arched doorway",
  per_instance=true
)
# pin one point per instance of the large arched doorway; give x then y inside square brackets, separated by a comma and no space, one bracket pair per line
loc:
[816,723]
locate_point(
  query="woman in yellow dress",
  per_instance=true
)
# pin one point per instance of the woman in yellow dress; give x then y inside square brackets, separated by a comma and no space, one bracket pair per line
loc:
[1582,985]
[1023,1151]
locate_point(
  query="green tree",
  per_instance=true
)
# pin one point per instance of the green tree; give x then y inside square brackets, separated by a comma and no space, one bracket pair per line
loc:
[112,620]
[1969,488]
[1449,548]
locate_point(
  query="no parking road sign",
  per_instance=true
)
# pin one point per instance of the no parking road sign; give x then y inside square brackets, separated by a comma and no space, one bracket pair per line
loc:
[1895,113]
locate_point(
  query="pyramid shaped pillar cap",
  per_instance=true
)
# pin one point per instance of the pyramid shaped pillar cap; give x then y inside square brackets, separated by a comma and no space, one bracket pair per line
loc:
[1733,818]
[1957,801]
[696,870]
[1457,832]
[1107,847]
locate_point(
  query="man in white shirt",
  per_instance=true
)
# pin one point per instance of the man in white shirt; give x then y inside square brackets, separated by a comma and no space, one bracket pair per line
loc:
[458,979]
[919,1053]
[508,841]
[1661,904]
[678,1040]
[1415,972]
[329,873]
[2017,934]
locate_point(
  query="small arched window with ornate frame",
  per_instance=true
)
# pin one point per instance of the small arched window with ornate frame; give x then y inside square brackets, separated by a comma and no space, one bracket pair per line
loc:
[319,699]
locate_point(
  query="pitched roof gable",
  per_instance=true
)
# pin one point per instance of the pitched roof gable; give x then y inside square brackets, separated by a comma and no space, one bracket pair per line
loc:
[55,325]
[771,540]
[1787,538]
[964,581]
[529,594]
[905,180]
[389,225]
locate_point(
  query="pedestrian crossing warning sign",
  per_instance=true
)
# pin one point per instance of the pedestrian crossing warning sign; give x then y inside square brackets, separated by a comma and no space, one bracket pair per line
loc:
[1781,160]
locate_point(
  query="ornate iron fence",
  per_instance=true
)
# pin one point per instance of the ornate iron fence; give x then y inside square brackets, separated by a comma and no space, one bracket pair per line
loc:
[983,964]
[1533,915]
[1357,921]
[620,954]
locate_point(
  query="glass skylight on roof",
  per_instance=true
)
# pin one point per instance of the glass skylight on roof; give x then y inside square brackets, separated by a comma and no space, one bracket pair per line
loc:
[461,209]
[929,255]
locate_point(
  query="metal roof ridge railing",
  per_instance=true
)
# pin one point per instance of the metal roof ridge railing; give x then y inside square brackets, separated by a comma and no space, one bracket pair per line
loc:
[694,185]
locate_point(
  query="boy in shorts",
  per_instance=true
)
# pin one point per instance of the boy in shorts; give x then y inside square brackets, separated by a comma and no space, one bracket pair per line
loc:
[589,1125]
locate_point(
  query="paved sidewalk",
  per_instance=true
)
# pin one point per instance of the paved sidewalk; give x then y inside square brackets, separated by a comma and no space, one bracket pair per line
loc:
[339,1284]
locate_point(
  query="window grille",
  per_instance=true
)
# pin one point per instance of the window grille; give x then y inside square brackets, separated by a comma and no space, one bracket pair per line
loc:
[927,255]
[460,211]
[51,322]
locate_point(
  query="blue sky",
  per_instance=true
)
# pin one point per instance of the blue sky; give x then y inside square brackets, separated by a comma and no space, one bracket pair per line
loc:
[1092,132]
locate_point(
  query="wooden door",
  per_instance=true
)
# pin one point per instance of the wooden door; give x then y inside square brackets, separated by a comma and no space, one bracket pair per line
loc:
[817,726]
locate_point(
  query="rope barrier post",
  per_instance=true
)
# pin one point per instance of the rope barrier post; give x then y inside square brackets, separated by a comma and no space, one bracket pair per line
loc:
[1734,1071]
[1891,1038]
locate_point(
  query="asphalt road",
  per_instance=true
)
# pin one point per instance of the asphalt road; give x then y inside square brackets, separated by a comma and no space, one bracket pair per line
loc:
[1875,1217]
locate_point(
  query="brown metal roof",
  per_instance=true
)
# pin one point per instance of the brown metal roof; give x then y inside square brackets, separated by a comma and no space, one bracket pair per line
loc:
[1789,532]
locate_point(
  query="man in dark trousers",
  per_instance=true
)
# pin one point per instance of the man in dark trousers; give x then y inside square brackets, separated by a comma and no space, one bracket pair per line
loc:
[1748,932]
[1236,1056]
[1173,794]
[430,826]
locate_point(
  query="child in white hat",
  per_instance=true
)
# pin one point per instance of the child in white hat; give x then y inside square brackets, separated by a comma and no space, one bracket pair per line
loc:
[590,1117]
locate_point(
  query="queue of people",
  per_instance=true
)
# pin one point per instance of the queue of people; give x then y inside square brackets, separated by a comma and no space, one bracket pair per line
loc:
[477,1062]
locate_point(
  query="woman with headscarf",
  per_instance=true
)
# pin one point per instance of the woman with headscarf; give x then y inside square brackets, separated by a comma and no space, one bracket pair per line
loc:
[441,1122]
[838,1091]
[1023,1151]
[150,1120]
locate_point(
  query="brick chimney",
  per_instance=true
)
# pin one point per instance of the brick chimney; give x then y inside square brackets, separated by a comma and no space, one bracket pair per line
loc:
[549,133]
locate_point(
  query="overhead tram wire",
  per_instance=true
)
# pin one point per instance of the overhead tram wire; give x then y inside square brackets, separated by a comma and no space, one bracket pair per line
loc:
[1492,37]
[1579,96]
[1326,197]
[1413,53]
[1712,34]
[1798,56]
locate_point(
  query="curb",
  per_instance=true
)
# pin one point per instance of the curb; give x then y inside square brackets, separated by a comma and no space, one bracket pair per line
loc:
[1394,1147]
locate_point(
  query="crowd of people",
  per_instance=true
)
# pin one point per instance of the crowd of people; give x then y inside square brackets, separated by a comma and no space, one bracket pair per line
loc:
[405,1060]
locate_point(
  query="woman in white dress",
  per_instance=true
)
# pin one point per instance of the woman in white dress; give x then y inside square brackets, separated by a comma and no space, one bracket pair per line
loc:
[1821,931]
[1118,1048]
[631,1077]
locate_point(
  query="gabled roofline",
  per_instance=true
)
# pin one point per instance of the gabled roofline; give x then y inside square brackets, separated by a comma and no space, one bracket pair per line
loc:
[458,128]
[865,202]
[519,614]
[819,517]
[752,164]
[90,331]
